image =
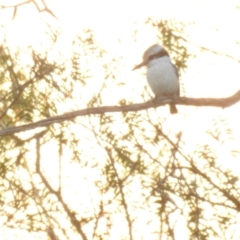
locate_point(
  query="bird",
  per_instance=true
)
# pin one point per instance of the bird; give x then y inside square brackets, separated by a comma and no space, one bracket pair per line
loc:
[162,75]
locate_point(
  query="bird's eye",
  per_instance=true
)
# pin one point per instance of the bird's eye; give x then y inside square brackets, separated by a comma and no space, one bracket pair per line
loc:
[151,57]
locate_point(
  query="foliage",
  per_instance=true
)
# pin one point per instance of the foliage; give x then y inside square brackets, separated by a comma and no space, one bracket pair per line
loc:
[112,176]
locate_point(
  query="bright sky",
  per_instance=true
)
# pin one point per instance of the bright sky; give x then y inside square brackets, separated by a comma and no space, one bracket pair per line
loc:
[215,26]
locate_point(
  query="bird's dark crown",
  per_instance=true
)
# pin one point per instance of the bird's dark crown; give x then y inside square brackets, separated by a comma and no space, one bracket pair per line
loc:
[161,53]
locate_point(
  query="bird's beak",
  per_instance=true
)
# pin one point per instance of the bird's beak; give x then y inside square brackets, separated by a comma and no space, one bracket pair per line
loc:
[139,65]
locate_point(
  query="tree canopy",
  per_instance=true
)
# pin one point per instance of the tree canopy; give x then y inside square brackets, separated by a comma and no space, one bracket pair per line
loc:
[81,158]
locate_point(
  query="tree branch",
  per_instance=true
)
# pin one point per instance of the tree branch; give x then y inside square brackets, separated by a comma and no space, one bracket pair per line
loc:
[17,5]
[200,102]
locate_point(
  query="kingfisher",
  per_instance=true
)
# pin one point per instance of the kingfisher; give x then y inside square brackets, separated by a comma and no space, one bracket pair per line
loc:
[162,75]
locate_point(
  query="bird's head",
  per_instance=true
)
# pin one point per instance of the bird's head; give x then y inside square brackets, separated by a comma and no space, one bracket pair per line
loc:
[153,52]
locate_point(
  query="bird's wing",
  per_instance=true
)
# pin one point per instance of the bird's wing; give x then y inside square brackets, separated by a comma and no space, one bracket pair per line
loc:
[177,73]
[176,70]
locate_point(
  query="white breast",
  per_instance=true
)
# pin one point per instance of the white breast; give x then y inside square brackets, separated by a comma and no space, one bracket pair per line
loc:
[162,77]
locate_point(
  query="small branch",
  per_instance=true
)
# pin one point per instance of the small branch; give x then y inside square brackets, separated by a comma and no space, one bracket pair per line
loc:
[123,198]
[199,102]
[71,214]
[210,102]
[17,5]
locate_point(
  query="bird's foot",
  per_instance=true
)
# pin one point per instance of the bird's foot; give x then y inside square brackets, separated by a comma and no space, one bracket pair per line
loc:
[162,99]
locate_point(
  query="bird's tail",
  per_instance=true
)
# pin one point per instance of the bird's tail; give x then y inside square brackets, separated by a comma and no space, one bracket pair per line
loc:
[173,109]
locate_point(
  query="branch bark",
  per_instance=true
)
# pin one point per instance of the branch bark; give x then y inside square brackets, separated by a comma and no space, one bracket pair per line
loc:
[199,102]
